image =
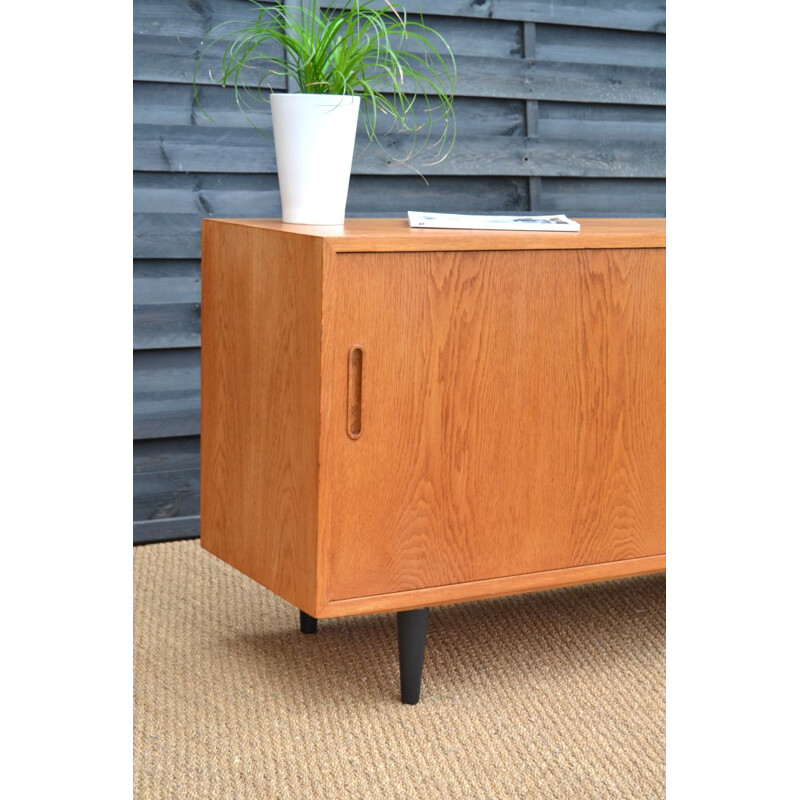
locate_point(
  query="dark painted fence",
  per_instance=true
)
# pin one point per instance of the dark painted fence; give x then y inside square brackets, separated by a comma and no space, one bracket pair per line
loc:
[560,108]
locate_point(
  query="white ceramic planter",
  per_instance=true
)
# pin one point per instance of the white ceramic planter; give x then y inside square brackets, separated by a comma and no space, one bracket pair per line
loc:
[314,140]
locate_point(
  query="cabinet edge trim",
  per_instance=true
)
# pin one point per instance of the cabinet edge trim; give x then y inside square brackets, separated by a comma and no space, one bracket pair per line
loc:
[493,587]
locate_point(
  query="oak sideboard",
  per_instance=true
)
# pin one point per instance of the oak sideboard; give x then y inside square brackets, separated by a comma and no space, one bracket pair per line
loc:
[397,418]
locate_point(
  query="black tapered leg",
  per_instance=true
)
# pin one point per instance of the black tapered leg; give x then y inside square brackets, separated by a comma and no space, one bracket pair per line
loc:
[411,629]
[308,624]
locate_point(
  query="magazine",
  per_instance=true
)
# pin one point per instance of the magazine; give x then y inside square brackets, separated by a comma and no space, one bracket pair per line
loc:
[515,222]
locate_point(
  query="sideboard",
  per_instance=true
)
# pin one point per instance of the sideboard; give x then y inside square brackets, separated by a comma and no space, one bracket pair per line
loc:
[395,418]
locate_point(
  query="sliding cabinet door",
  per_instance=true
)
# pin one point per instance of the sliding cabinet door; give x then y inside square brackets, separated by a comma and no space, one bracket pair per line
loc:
[487,414]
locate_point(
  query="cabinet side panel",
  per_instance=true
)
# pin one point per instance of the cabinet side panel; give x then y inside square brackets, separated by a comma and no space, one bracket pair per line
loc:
[260,405]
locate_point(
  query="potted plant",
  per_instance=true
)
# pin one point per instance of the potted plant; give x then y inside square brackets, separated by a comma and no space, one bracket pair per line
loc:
[366,57]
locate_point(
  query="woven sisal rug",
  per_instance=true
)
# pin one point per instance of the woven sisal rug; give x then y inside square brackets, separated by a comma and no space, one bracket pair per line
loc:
[556,694]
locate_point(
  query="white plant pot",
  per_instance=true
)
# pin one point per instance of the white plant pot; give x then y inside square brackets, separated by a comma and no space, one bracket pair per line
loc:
[314,139]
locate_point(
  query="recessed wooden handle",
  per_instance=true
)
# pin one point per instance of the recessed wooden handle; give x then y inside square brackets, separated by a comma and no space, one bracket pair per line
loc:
[355,368]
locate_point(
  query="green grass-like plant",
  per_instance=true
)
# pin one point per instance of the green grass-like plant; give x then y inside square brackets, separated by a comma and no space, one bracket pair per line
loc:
[399,68]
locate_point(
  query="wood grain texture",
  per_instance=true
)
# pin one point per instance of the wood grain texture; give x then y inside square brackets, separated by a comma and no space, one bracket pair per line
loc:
[166,494]
[260,406]
[177,18]
[637,15]
[173,59]
[165,530]
[163,105]
[600,198]
[166,312]
[240,150]
[395,235]
[166,396]
[564,81]
[173,104]
[513,417]
[166,481]
[579,44]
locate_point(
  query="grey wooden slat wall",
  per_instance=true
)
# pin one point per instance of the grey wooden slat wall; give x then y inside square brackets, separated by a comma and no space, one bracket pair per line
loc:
[560,108]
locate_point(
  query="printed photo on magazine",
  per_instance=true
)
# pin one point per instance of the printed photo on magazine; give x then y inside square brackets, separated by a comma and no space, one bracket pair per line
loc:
[514,222]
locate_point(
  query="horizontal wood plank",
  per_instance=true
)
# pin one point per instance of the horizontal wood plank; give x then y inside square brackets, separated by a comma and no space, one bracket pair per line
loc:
[478,76]
[567,121]
[165,495]
[182,149]
[167,44]
[173,59]
[165,530]
[166,312]
[582,45]
[166,268]
[167,192]
[552,80]
[161,235]
[399,193]
[179,19]
[598,197]
[636,15]
[525,156]
[166,478]
[173,104]
[152,291]
[163,455]
[165,325]
[527,79]
[166,393]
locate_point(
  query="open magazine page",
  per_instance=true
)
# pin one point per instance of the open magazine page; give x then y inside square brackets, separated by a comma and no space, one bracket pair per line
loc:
[515,222]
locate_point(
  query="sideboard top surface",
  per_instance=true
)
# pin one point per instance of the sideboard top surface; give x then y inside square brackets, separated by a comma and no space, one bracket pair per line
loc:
[390,235]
